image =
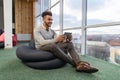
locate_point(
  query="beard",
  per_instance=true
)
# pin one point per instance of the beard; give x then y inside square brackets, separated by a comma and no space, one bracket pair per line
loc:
[48,24]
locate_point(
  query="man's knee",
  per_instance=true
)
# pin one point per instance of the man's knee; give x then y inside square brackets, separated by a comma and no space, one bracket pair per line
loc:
[70,44]
[52,45]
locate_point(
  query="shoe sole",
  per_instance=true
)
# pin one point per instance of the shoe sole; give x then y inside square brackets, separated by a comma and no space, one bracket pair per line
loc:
[88,71]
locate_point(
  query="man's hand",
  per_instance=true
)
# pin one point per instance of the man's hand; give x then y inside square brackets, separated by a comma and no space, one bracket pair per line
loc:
[60,38]
[68,36]
[68,40]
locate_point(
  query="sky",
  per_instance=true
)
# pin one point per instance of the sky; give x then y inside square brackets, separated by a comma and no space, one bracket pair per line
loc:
[98,11]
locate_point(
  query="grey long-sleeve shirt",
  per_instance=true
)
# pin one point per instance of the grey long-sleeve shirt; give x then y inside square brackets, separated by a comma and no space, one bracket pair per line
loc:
[43,37]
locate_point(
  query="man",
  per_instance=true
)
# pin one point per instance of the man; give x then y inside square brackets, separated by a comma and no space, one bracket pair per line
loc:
[46,39]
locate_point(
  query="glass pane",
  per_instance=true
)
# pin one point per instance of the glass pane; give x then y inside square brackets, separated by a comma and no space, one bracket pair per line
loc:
[55,12]
[104,43]
[38,12]
[72,13]
[53,2]
[71,7]
[41,5]
[46,4]
[103,11]
[38,7]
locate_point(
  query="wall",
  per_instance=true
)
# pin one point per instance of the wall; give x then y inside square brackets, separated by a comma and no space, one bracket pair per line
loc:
[23,17]
[1,18]
[8,23]
[24,14]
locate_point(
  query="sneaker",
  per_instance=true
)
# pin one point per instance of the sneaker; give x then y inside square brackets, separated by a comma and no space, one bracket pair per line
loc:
[83,67]
[84,62]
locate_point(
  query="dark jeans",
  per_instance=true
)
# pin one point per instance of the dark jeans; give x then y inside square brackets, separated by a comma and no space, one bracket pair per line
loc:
[56,49]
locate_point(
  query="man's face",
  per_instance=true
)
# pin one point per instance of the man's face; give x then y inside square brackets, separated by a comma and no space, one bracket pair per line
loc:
[47,20]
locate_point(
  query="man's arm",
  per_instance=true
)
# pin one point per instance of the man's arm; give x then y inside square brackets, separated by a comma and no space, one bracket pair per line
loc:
[39,38]
[55,34]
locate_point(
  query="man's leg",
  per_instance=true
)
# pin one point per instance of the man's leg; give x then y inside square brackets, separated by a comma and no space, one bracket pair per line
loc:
[71,50]
[57,51]
[81,66]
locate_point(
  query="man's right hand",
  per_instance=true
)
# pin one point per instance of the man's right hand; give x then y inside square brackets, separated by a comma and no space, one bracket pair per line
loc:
[60,38]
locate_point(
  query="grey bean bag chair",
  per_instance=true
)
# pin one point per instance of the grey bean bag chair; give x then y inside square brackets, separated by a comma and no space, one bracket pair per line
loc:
[1,44]
[38,59]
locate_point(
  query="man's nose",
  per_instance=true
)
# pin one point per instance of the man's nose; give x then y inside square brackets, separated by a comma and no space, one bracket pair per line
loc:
[51,21]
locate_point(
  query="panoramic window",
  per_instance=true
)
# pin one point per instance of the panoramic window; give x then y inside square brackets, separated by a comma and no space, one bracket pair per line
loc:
[100,40]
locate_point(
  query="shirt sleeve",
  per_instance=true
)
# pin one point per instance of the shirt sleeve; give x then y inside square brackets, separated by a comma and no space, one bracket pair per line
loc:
[55,34]
[39,38]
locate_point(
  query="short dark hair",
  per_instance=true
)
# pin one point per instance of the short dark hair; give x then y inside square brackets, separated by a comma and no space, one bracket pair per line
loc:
[46,13]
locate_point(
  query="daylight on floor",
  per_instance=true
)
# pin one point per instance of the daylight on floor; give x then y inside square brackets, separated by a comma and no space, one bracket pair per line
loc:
[59,39]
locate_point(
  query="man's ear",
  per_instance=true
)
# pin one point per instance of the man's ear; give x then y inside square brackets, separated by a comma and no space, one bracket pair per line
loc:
[43,20]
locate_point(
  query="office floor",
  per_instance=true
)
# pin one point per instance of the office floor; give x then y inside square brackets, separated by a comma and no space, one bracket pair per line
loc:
[12,69]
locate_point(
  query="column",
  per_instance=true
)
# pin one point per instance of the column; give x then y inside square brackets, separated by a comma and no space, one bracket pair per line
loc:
[8,23]
[84,23]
